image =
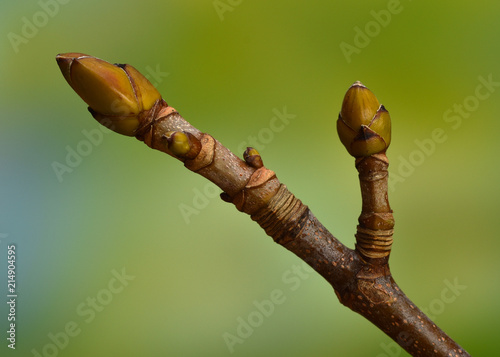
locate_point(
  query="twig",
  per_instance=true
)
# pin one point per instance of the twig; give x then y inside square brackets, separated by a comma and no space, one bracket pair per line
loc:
[127,103]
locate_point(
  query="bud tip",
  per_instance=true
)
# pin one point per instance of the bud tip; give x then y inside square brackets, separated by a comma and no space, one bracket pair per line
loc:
[358,84]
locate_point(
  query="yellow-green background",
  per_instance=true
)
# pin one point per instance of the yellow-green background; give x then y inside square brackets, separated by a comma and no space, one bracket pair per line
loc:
[120,207]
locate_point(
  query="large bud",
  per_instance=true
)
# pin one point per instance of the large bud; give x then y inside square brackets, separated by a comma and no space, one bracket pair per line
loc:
[117,94]
[364,125]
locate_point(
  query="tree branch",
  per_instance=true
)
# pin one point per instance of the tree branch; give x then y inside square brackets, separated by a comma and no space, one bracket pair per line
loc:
[361,278]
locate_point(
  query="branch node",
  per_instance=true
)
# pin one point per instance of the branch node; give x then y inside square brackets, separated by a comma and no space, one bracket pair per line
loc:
[205,156]
[283,215]
[374,243]
[258,178]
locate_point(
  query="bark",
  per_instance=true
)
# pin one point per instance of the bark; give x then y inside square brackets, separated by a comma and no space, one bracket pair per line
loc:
[361,278]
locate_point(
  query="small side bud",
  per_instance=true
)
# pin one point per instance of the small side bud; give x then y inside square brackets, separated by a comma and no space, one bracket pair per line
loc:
[252,158]
[364,125]
[117,95]
[225,197]
[183,144]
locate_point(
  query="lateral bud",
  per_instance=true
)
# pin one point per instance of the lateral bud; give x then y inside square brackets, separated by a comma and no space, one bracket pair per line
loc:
[182,144]
[253,158]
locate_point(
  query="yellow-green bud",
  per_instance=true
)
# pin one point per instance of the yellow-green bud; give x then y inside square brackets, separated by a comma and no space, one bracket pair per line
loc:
[183,144]
[178,143]
[116,94]
[364,125]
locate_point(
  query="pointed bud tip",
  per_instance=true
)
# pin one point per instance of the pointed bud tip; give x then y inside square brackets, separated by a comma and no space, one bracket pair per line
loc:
[70,55]
[64,60]
[358,84]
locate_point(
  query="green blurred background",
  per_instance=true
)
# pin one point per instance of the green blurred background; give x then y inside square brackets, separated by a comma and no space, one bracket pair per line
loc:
[228,66]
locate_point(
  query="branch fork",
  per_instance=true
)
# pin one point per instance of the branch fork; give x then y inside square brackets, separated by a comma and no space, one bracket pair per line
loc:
[122,99]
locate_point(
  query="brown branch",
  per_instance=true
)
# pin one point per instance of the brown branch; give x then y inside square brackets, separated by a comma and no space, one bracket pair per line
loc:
[376,222]
[362,282]
[361,278]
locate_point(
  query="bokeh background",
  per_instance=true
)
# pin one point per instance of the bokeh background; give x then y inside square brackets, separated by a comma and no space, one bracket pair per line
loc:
[194,266]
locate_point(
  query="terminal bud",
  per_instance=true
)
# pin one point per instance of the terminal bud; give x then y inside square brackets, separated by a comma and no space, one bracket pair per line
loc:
[117,94]
[364,125]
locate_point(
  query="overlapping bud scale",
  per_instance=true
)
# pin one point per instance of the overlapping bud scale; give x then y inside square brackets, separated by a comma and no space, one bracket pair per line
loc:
[116,94]
[364,125]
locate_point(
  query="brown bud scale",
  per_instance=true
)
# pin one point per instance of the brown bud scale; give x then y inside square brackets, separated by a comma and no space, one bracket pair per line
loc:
[205,155]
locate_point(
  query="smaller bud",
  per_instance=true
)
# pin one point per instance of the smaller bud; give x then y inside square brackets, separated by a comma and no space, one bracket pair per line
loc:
[364,125]
[117,95]
[183,144]
[252,158]
[225,197]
